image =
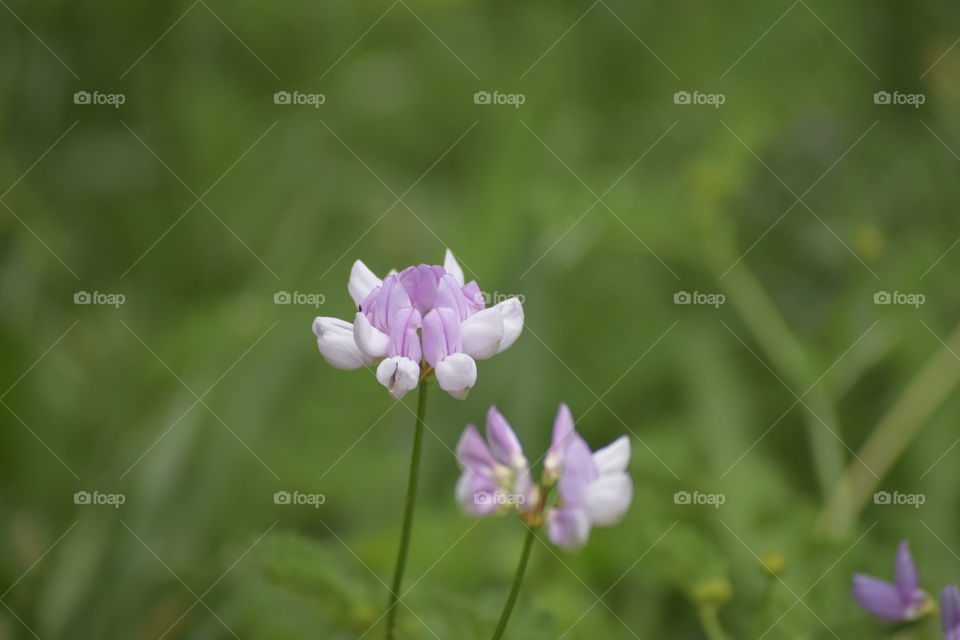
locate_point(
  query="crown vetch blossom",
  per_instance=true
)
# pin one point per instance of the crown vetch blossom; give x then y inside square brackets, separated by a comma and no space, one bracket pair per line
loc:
[424,316]
[901,601]
[594,488]
[950,612]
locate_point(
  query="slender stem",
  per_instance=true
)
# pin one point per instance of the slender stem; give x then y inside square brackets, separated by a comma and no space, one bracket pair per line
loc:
[710,621]
[408,513]
[517,581]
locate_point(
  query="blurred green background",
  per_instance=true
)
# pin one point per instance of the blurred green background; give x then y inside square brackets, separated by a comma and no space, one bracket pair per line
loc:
[598,200]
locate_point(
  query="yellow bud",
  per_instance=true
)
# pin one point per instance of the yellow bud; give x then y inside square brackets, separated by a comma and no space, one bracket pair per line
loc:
[713,592]
[774,563]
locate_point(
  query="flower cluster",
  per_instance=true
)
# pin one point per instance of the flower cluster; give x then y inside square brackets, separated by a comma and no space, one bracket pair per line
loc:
[419,321]
[593,488]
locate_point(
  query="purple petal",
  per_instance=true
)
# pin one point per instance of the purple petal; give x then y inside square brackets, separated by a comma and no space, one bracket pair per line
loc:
[881,599]
[420,283]
[503,441]
[568,527]
[450,295]
[906,573]
[404,340]
[474,296]
[472,451]
[562,435]
[476,493]
[441,335]
[579,471]
[950,611]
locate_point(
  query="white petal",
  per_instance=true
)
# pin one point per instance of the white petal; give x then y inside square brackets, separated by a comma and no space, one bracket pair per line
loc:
[456,374]
[336,344]
[399,375]
[608,497]
[614,457]
[362,282]
[371,340]
[482,333]
[451,266]
[568,527]
[512,313]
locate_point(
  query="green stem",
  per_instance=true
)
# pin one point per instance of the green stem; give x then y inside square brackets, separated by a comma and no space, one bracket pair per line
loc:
[891,436]
[517,581]
[710,621]
[408,513]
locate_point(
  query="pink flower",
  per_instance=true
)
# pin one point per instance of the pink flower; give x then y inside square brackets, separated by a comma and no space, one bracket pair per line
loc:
[423,316]
[594,488]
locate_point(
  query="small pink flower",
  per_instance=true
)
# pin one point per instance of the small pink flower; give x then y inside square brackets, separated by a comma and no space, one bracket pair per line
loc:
[423,316]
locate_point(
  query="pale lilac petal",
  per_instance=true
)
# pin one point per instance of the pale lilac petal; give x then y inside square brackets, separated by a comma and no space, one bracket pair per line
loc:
[607,498]
[369,339]
[456,374]
[562,435]
[482,334]
[881,599]
[504,443]
[362,282]
[450,295]
[451,266]
[404,339]
[475,494]
[399,375]
[512,313]
[950,611]
[471,291]
[336,344]
[526,491]
[568,527]
[614,457]
[473,453]
[441,335]
[906,573]
[579,471]
[420,283]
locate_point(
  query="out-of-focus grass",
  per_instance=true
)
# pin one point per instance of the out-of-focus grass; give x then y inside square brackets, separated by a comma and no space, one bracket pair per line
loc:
[292,195]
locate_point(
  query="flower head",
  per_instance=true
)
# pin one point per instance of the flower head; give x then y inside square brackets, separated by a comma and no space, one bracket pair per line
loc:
[421,319]
[496,476]
[950,612]
[593,488]
[901,601]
